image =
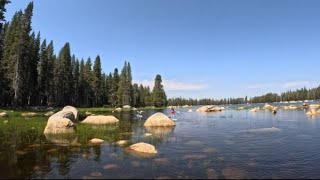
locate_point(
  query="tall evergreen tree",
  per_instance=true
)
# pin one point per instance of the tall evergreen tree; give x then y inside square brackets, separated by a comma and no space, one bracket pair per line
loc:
[97,82]
[49,90]
[63,77]
[34,47]
[3,28]
[42,71]
[122,86]
[158,93]
[113,98]
[75,80]
[81,84]
[88,78]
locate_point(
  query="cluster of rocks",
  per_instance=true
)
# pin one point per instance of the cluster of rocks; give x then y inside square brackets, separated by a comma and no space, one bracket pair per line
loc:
[63,122]
[210,109]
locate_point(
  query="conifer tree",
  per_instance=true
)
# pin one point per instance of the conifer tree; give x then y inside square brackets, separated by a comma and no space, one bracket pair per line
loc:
[158,93]
[88,78]
[113,100]
[97,81]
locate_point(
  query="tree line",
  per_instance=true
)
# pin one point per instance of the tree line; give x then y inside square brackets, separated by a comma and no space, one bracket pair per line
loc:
[297,95]
[33,75]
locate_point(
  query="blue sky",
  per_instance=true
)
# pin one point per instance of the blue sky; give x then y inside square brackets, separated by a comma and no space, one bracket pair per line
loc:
[204,48]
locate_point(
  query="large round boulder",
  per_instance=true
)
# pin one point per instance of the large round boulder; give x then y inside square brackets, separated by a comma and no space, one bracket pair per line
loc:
[62,121]
[100,119]
[144,148]
[59,126]
[159,119]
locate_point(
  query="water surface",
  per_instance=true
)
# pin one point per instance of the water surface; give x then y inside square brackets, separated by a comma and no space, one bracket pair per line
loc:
[202,145]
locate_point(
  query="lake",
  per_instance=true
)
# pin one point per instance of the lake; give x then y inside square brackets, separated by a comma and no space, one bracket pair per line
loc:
[227,144]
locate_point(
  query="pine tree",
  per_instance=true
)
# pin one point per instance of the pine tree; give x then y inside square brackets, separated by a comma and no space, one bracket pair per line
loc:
[49,83]
[88,78]
[63,77]
[34,47]
[75,80]
[113,99]
[81,84]
[158,93]
[3,28]
[97,81]
[122,100]
[128,90]
[42,71]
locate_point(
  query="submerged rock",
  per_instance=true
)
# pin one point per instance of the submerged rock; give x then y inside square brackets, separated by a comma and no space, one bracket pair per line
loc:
[262,130]
[233,173]
[100,119]
[159,119]
[110,167]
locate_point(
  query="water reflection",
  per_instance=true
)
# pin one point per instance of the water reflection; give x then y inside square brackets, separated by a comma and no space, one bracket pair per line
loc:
[160,131]
[229,144]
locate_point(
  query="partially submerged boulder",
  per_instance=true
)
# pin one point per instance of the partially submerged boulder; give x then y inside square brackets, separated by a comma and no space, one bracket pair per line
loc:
[210,109]
[144,148]
[254,110]
[159,119]
[312,112]
[59,126]
[96,141]
[62,121]
[100,119]
[268,106]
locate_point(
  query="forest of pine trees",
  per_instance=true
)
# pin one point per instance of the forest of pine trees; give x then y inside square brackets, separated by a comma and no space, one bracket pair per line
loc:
[33,75]
[297,95]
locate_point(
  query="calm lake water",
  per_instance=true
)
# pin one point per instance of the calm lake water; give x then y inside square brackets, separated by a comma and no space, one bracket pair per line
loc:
[202,145]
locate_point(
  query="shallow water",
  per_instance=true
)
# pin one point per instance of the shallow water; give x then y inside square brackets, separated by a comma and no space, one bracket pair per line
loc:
[228,144]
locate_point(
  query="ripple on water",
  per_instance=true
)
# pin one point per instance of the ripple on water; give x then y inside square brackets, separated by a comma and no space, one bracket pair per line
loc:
[194,157]
[209,150]
[234,173]
[195,143]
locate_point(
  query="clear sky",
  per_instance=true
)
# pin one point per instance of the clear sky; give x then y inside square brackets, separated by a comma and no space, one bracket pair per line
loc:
[206,48]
